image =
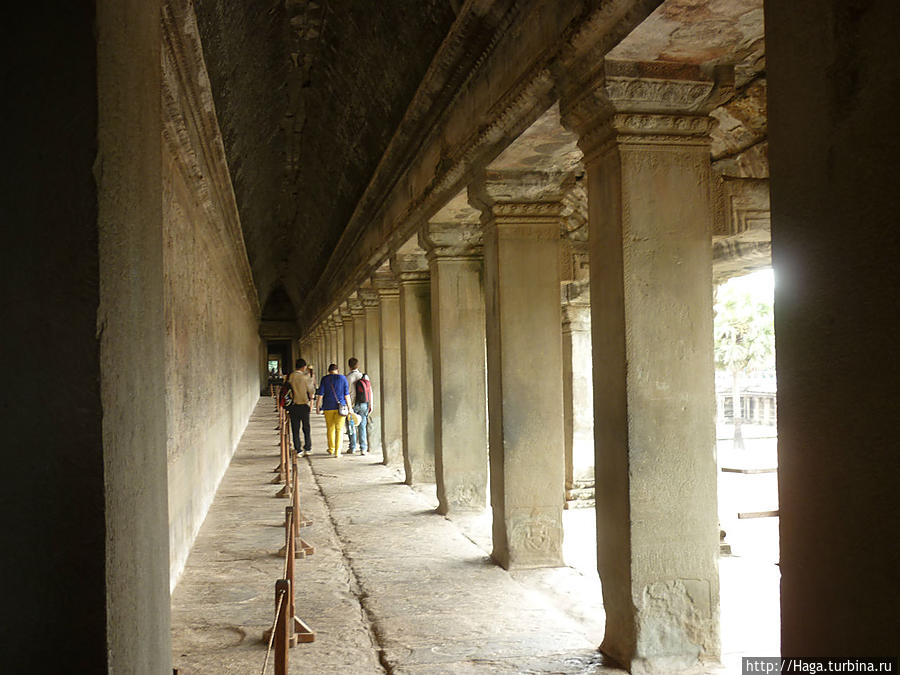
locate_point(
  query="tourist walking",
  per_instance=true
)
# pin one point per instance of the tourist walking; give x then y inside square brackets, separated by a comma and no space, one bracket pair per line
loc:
[353,376]
[304,393]
[333,400]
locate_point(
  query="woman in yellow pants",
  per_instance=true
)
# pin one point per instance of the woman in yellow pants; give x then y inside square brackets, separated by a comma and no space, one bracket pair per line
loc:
[333,392]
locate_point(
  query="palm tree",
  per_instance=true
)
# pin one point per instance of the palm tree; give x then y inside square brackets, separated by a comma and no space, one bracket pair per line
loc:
[745,340]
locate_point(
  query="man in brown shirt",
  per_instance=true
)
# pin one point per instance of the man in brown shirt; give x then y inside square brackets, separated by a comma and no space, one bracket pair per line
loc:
[304,394]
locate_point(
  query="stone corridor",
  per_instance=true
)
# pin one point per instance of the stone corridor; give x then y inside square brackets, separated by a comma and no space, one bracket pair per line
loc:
[392,587]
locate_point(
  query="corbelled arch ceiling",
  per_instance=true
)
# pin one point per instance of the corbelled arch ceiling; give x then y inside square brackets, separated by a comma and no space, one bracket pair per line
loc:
[308,94]
[336,113]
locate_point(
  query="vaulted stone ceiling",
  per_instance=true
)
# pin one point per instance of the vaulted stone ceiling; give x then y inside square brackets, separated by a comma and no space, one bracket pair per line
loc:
[308,94]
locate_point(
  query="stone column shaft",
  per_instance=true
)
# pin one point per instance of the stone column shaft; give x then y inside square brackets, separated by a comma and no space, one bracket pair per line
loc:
[650,216]
[373,365]
[390,393]
[338,340]
[348,346]
[359,334]
[416,367]
[524,365]
[460,417]
[578,392]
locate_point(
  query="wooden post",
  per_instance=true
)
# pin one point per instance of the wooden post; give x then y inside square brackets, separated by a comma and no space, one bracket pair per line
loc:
[282,464]
[291,554]
[282,626]
[285,459]
[299,521]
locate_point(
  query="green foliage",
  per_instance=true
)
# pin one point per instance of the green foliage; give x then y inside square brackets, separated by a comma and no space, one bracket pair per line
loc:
[745,337]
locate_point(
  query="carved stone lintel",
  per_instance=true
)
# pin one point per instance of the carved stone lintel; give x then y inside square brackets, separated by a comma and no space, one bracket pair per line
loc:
[451,240]
[410,267]
[742,208]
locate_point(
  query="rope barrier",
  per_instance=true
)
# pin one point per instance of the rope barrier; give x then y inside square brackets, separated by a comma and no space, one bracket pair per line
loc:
[289,628]
[272,633]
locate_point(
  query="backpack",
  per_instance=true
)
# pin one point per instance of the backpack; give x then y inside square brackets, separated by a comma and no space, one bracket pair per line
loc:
[363,388]
[286,395]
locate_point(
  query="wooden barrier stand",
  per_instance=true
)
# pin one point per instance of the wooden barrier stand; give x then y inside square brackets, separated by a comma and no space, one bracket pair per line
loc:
[288,629]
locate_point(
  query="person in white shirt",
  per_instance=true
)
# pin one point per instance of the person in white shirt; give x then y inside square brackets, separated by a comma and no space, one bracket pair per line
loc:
[357,433]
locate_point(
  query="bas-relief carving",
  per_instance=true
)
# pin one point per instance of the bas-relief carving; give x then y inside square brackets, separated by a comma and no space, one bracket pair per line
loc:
[534,536]
[675,624]
[466,495]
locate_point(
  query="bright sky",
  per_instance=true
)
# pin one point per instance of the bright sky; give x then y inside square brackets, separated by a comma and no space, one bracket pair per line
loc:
[761,284]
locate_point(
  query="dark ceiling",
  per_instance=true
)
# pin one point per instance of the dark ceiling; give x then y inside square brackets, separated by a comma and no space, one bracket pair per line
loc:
[308,94]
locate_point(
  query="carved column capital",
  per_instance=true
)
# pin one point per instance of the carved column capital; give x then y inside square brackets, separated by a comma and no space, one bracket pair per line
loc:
[346,314]
[521,204]
[451,240]
[659,103]
[410,267]
[355,305]
[337,319]
[385,283]
[368,297]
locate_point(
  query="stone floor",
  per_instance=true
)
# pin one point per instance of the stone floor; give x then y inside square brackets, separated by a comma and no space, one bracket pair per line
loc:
[393,587]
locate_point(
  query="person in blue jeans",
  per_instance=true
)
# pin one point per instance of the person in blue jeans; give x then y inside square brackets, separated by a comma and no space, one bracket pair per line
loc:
[357,434]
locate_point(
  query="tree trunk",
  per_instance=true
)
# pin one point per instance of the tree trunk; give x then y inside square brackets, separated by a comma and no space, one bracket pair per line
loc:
[736,411]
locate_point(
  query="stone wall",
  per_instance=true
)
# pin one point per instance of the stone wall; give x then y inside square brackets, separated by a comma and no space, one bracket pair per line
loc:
[211,310]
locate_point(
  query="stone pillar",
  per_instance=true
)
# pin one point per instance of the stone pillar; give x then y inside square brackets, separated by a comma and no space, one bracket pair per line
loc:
[347,352]
[320,362]
[390,393]
[456,261]
[522,219]
[578,386]
[648,174]
[330,339]
[338,320]
[369,299]
[411,270]
[834,145]
[359,332]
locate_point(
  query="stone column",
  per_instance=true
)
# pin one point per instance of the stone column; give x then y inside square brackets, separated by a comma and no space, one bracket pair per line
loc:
[347,351]
[330,342]
[369,299]
[646,150]
[411,270]
[390,393]
[359,332]
[338,320]
[578,388]
[455,258]
[320,362]
[522,219]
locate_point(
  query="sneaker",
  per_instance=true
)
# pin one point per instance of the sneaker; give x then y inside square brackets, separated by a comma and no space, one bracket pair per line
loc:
[306,453]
